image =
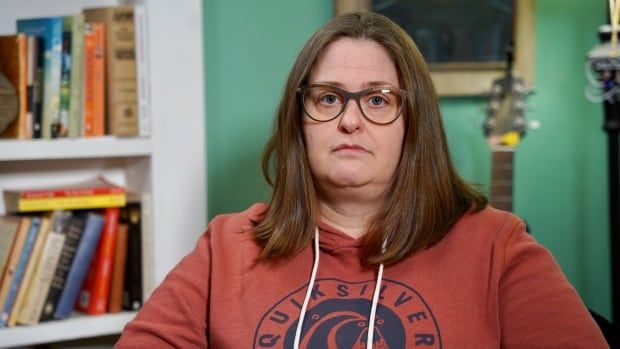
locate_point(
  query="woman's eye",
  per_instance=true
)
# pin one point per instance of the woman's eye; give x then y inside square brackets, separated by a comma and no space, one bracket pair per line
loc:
[329,99]
[377,101]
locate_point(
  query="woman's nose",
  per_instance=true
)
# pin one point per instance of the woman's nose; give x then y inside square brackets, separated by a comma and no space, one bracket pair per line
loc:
[351,118]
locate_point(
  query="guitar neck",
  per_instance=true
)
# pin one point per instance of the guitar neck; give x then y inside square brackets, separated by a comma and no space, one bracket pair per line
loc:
[501,179]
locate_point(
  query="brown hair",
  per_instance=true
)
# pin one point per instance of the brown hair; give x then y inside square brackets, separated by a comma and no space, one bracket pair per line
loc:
[426,196]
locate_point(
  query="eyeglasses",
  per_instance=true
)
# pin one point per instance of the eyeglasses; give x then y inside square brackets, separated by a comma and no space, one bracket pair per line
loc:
[379,105]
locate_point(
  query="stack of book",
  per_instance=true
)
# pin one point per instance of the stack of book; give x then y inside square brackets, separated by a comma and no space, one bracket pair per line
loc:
[81,75]
[75,247]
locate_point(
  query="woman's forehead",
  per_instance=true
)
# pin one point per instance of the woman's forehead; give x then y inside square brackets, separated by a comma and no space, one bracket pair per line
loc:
[354,63]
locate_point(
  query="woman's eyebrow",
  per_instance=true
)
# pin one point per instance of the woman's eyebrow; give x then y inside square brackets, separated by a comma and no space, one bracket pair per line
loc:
[366,84]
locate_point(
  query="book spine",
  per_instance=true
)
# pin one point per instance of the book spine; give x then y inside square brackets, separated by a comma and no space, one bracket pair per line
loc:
[94,80]
[79,266]
[74,233]
[13,58]
[100,291]
[77,76]
[142,70]
[8,230]
[37,88]
[148,279]
[31,67]
[118,270]
[11,267]
[35,255]
[44,271]
[45,194]
[61,128]
[132,293]
[24,119]
[70,203]
[52,79]
[122,117]
[86,291]
[5,311]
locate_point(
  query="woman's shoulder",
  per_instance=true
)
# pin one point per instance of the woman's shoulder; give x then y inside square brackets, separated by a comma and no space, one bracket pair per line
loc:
[238,225]
[486,228]
[242,218]
[490,219]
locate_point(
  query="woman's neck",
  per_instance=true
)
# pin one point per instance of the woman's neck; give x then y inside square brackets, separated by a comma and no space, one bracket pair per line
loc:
[350,218]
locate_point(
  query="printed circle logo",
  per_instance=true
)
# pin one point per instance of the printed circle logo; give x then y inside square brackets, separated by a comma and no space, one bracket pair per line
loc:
[337,317]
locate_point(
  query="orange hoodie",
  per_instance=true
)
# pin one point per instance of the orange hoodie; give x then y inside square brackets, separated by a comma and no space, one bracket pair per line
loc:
[487,284]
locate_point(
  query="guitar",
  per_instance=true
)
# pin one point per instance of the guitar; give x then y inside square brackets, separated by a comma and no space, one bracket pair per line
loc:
[504,128]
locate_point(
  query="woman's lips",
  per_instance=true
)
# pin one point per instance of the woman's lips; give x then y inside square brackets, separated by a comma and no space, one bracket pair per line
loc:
[350,148]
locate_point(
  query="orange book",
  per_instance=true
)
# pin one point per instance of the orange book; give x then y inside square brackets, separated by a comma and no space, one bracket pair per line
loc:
[93,298]
[121,84]
[118,270]
[13,53]
[94,80]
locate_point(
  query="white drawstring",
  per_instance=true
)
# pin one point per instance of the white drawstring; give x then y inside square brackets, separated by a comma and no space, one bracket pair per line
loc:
[373,308]
[315,267]
[304,307]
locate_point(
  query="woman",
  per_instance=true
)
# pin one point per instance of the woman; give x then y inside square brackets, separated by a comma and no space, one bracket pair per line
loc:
[363,183]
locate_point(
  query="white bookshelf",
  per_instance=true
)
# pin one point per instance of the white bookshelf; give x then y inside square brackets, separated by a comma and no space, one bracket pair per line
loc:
[81,327]
[79,148]
[170,166]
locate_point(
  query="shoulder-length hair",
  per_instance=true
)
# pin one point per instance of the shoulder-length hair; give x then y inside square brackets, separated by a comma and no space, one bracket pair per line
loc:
[426,196]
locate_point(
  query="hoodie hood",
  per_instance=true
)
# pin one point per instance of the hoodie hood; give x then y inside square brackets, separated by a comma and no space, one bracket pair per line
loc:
[334,241]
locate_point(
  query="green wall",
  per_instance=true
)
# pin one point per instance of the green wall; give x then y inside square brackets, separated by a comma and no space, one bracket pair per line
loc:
[560,174]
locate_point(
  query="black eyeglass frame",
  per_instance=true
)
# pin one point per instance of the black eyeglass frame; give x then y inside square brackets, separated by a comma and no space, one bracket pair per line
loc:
[356,96]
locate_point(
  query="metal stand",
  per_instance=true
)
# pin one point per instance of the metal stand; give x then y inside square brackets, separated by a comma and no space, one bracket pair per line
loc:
[612,127]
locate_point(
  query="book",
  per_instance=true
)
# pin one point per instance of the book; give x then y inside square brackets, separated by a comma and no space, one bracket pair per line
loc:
[118,270]
[77,75]
[35,66]
[93,227]
[132,290]
[13,61]
[61,128]
[20,269]
[95,292]
[9,102]
[142,70]
[97,192]
[122,117]
[50,30]
[8,230]
[146,237]
[35,255]
[94,80]
[15,254]
[74,231]
[30,312]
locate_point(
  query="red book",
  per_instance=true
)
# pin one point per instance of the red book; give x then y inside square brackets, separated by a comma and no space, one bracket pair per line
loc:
[95,291]
[118,270]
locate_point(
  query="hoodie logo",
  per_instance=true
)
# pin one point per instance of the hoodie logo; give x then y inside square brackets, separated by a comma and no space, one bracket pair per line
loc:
[337,317]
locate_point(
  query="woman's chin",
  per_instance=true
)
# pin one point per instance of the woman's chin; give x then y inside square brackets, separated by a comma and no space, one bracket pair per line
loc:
[353,181]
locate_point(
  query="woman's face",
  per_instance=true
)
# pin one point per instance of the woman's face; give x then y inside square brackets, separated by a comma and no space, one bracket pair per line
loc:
[351,152]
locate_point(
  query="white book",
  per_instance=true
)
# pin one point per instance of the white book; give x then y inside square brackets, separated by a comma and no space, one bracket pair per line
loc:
[142,70]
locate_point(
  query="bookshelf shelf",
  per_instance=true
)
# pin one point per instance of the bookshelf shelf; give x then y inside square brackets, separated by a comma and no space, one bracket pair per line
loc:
[169,168]
[81,326]
[80,148]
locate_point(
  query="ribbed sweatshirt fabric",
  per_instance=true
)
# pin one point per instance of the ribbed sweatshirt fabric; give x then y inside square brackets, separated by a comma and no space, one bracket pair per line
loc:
[487,284]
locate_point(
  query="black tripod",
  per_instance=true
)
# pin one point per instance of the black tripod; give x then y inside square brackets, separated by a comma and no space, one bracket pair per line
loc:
[612,127]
